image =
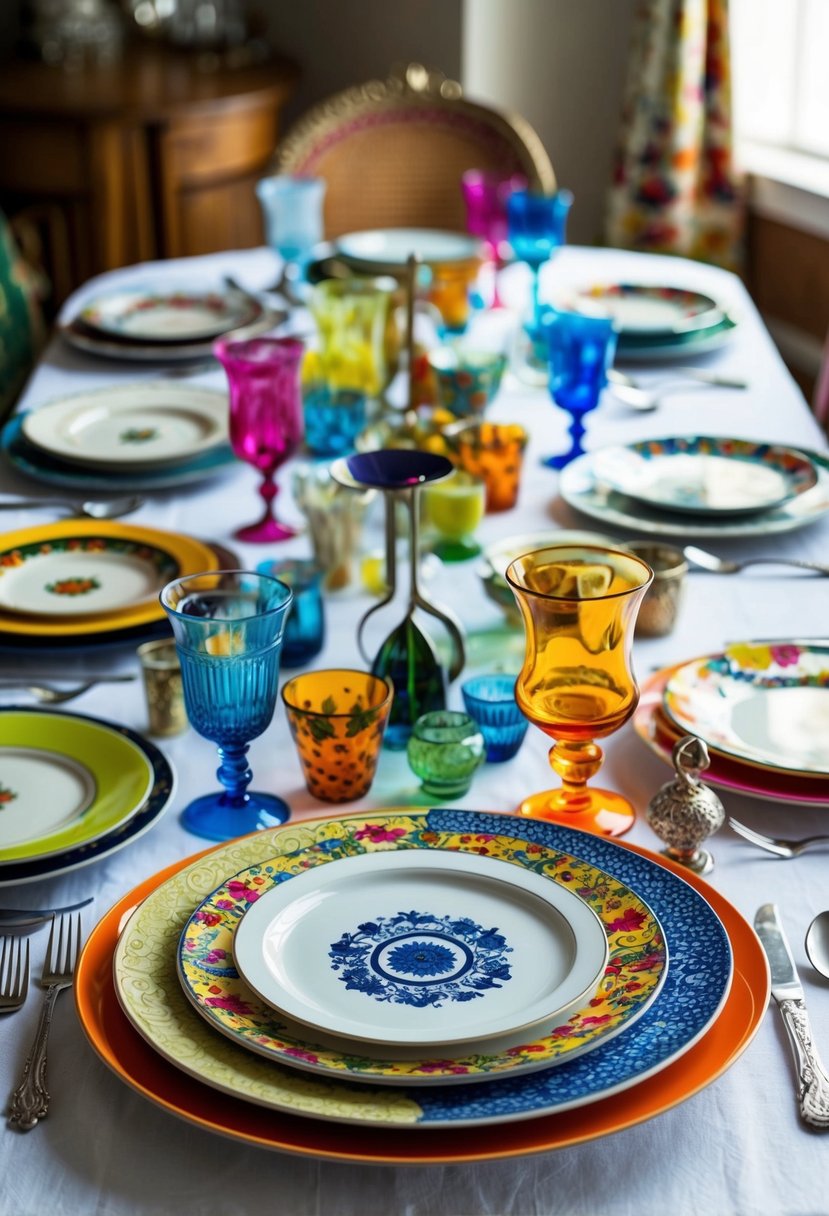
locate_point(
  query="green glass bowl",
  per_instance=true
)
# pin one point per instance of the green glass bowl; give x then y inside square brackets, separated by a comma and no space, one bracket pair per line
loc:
[444,750]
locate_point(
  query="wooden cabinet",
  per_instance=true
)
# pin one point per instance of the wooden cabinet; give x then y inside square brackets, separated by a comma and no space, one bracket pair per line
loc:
[148,158]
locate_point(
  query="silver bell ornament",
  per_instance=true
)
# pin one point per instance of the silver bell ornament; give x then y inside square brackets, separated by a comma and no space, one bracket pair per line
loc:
[684,812]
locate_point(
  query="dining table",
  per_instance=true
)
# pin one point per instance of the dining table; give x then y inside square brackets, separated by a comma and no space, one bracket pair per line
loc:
[736,1146]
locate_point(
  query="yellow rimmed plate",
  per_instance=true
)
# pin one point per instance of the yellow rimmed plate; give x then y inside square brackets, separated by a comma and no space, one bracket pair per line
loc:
[141,556]
[64,781]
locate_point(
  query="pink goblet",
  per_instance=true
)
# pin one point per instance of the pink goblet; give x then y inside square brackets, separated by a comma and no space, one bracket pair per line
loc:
[265,415]
[485,196]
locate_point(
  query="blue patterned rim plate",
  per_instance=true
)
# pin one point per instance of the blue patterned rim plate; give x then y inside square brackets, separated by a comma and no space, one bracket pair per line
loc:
[159,797]
[706,475]
[50,470]
[582,488]
[634,973]
[691,999]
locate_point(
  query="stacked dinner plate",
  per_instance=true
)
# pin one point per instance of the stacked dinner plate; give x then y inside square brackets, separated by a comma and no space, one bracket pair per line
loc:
[73,789]
[452,970]
[656,322]
[699,485]
[163,325]
[81,583]
[763,710]
[142,436]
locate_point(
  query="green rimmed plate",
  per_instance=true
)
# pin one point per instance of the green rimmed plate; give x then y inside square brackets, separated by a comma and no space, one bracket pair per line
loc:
[634,973]
[64,781]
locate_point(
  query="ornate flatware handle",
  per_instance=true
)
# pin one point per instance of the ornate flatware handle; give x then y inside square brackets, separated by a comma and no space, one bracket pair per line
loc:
[812,1080]
[30,1101]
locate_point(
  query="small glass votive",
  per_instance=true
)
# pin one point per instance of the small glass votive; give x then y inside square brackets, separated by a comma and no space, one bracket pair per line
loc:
[337,720]
[449,291]
[333,419]
[490,700]
[335,518]
[660,607]
[444,750]
[304,634]
[163,686]
[466,380]
[453,508]
[495,453]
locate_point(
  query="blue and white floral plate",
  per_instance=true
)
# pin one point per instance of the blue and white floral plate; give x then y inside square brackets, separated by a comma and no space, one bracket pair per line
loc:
[694,992]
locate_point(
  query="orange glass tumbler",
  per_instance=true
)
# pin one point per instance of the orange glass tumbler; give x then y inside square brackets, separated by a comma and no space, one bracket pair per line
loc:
[494,452]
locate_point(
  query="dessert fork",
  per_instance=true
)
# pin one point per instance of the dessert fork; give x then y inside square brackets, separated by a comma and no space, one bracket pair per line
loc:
[775,844]
[14,974]
[30,1101]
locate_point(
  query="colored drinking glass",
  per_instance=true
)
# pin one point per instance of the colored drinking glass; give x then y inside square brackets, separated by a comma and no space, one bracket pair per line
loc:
[490,700]
[580,351]
[335,523]
[454,508]
[305,629]
[333,419]
[228,627]
[466,380]
[265,416]
[358,336]
[292,211]
[494,452]
[485,197]
[578,605]
[537,226]
[337,719]
[449,292]
[445,750]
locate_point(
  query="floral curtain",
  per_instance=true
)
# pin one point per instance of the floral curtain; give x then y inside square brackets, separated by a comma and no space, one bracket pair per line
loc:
[674,185]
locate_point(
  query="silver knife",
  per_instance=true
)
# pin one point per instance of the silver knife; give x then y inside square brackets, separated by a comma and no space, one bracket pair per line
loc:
[812,1079]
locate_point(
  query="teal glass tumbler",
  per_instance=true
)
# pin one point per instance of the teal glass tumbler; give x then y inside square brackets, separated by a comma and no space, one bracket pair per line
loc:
[445,750]
[228,627]
[490,700]
[305,630]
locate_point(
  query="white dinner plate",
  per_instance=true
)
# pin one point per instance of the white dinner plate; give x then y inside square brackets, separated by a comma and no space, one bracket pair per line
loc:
[767,704]
[582,488]
[143,425]
[706,475]
[391,247]
[645,309]
[172,315]
[420,948]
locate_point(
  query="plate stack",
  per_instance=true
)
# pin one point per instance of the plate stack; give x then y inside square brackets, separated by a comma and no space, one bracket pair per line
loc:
[73,789]
[700,485]
[144,436]
[763,710]
[449,970]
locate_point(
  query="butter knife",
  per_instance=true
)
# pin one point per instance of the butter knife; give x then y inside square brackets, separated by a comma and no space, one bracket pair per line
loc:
[812,1079]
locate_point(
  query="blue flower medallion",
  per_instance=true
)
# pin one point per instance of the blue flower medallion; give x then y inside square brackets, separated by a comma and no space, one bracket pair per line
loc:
[419,959]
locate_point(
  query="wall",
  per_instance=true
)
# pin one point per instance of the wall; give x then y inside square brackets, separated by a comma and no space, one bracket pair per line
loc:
[560,63]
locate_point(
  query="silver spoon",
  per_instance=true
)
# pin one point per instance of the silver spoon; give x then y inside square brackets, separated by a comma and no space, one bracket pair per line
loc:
[722,565]
[645,400]
[817,943]
[92,509]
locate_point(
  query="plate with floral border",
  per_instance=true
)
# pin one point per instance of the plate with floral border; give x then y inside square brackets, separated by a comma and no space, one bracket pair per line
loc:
[642,309]
[175,315]
[74,856]
[693,995]
[634,973]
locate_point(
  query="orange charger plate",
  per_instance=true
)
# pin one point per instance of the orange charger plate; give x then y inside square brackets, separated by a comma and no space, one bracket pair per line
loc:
[124,1051]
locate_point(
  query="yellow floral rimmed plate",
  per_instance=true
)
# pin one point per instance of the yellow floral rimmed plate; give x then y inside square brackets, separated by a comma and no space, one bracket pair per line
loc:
[632,977]
[177,555]
[64,781]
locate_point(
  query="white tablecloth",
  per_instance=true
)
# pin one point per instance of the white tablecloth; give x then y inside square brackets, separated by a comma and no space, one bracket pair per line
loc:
[737,1147]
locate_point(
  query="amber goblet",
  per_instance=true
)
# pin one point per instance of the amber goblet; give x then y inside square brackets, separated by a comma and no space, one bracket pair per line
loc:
[579,606]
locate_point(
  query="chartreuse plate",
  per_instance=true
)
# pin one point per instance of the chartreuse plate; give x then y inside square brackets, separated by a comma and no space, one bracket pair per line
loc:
[693,994]
[634,947]
[64,781]
[116,568]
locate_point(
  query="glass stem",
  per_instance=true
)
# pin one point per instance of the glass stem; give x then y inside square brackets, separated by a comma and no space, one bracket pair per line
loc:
[536,307]
[234,774]
[575,764]
[268,491]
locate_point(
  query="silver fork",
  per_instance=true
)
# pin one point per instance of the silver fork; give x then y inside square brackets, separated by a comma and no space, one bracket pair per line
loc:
[774,844]
[30,1101]
[47,694]
[14,974]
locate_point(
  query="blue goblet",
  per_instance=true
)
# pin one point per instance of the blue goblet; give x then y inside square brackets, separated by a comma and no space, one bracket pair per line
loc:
[293,216]
[228,628]
[580,350]
[537,225]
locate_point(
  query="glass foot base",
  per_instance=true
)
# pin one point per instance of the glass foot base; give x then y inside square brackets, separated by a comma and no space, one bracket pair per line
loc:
[265,532]
[560,462]
[603,812]
[460,550]
[212,819]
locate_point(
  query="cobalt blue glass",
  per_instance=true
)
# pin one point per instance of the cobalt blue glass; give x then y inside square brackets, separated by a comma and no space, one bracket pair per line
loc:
[305,629]
[537,228]
[490,700]
[580,350]
[228,627]
[333,420]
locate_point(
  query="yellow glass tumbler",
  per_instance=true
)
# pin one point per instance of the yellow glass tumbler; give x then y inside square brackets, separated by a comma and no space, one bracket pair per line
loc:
[578,605]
